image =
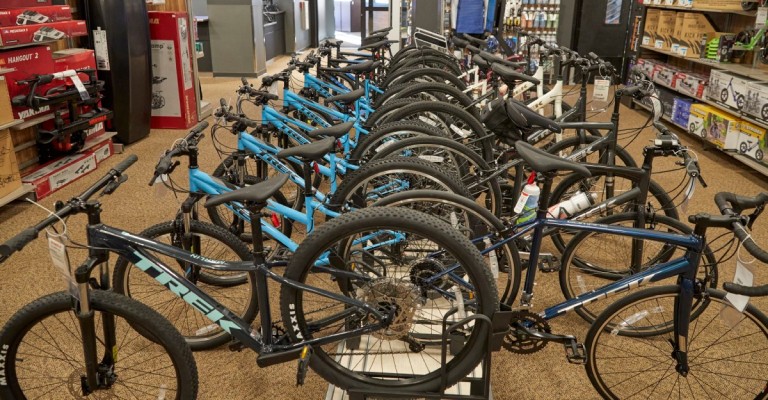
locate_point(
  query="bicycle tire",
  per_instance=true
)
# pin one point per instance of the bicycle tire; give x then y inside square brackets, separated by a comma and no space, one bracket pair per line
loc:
[295,308]
[453,156]
[580,272]
[649,305]
[398,62]
[147,324]
[440,91]
[431,61]
[404,75]
[371,143]
[372,121]
[479,223]
[349,195]
[204,335]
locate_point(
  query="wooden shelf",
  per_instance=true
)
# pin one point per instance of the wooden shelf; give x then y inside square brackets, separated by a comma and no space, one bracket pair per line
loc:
[34,121]
[11,124]
[759,74]
[25,191]
[702,9]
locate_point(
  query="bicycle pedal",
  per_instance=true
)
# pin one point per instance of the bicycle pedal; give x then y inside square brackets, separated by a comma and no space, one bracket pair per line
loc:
[548,263]
[303,367]
[575,353]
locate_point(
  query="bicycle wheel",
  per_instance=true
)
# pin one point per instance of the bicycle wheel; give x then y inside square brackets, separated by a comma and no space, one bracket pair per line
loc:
[392,260]
[476,223]
[43,352]
[404,75]
[726,361]
[377,117]
[596,187]
[398,62]
[387,134]
[378,179]
[593,260]
[430,91]
[456,158]
[235,290]
[449,65]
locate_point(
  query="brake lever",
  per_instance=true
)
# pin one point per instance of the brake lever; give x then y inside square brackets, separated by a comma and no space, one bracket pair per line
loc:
[752,217]
[113,185]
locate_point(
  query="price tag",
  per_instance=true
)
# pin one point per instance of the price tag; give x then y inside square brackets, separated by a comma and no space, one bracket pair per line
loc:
[659,44]
[683,50]
[602,87]
[762,16]
[461,132]
[160,186]
[384,145]
[646,40]
[60,260]
[426,120]
[688,195]
[658,109]
[80,87]
[744,277]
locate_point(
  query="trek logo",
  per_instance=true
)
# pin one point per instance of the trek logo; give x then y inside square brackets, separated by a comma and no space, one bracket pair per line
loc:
[182,291]
[295,321]
[3,352]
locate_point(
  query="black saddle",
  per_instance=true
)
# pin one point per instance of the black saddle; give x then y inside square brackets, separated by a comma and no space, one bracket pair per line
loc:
[376,45]
[359,68]
[377,31]
[310,151]
[500,61]
[335,131]
[541,161]
[511,120]
[334,42]
[510,76]
[347,98]
[534,119]
[459,42]
[373,38]
[480,61]
[258,193]
[475,41]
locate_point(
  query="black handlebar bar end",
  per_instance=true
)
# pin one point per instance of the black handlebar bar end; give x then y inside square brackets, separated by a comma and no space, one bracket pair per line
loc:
[125,164]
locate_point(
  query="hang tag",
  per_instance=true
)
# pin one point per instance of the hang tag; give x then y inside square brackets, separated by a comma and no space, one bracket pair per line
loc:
[60,260]
[688,195]
[384,145]
[431,158]
[80,87]
[744,277]
[658,109]
[493,261]
[160,186]
[426,120]
[602,87]
[461,132]
[659,44]
[762,16]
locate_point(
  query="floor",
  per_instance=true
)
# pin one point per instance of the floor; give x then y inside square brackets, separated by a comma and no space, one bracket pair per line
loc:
[226,375]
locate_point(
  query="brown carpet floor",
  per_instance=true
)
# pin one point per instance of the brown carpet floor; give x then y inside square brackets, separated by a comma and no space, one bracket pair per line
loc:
[225,375]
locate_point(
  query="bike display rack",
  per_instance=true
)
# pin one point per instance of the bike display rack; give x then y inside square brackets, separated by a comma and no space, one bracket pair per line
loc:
[479,387]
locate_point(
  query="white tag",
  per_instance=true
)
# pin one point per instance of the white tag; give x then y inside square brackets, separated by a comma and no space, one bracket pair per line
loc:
[683,50]
[101,49]
[80,87]
[385,145]
[744,277]
[492,260]
[60,260]
[659,44]
[521,203]
[160,185]
[432,159]
[427,120]
[460,302]
[675,48]
[658,109]
[461,132]
[762,15]
[602,87]
[688,195]
[646,40]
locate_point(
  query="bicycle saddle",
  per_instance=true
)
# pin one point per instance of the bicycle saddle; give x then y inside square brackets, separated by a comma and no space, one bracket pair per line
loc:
[335,131]
[385,30]
[376,45]
[541,161]
[500,61]
[474,50]
[460,43]
[359,68]
[334,42]
[258,193]
[474,40]
[373,38]
[534,120]
[347,98]
[479,61]
[509,76]
[310,151]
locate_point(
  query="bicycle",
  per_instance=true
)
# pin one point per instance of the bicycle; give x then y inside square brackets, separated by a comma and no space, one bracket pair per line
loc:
[738,98]
[365,307]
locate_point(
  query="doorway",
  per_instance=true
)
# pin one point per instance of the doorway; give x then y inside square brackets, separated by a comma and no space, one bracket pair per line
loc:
[356,18]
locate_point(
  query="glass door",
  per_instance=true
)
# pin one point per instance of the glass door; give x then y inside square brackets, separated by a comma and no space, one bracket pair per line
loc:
[375,15]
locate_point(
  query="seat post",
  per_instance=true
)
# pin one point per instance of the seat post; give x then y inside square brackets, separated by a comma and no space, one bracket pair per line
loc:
[308,189]
[546,192]
[258,240]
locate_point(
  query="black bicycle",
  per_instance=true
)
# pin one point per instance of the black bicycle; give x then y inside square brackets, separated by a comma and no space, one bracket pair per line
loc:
[364,295]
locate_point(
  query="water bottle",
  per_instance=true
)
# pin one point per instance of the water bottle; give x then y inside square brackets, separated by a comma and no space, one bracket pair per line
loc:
[578,202]
[528,201]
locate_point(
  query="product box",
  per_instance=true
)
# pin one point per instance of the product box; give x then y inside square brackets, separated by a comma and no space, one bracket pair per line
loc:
[26,63]
[648,66]
[59,173]
[696,26]
[25,3]
[678,33]
[728,5]
[13,36]
[34,15]
[76,59]
[756,103]
[691,84]
[665,75]
[6,113]
[173,92]
[665,30]
[697,119]
[752,141]
[651,23]
[728,89]
[719,126]
[9,169]
[681,111]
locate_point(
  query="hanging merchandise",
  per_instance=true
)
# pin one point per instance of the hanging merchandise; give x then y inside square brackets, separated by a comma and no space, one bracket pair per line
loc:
[471,17]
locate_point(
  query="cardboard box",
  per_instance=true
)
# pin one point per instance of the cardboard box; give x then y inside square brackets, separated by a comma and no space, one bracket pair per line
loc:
[648,66]
[719,126]
[696,26]
[34,15]
[730,5]
[697,119]
[651,23]
[691,84]
[665,75]
[27,62]
[9,169]
[13,36]
[173,89]
[76,59]
[752,141]
[25,3]
[756,104]
[678,33]
[6,113]
[728,89]
[665,30]
[681,111]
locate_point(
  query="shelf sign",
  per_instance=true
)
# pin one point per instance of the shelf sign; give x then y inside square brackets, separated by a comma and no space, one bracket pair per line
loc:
[659,44]
[762,15]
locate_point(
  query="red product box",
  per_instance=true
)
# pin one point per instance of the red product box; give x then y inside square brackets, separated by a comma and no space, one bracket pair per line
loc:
[25,3]
[665,75]
[59,173]
[692,84]
[27,62]
[34,15]
[16,35]
[76,59]
[173,91]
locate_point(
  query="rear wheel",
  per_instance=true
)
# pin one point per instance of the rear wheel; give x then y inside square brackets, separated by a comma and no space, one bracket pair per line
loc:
[388,134]
[43,351]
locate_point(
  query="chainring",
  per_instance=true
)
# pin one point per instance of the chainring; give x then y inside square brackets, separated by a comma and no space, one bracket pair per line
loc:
[518,340]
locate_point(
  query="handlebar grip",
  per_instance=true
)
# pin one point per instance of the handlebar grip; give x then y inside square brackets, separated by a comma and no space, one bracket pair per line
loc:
[244,81]
[43,79]
[223,103]
[270,96]
[164,164]
[630,90]
[200,127]
[691,166]
[125,164]
[249,122]
[17,242]
[751,291]
[739,203]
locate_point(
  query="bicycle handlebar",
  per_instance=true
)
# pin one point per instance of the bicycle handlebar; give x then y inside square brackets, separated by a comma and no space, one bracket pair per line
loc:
[18,242]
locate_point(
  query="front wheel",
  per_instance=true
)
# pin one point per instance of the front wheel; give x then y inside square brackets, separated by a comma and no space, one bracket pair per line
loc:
[740,101]
[42,350]
[402,263]
[764,112]
[726,360]
[724,95]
